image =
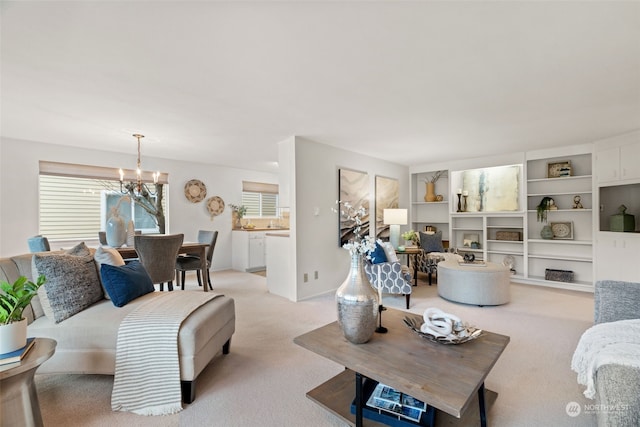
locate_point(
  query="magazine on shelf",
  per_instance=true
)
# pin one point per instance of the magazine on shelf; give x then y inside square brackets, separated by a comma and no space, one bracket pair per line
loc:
[16,356]
[390,400]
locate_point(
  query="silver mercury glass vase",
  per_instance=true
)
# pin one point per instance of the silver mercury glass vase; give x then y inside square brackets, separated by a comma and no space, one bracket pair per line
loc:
[357,304]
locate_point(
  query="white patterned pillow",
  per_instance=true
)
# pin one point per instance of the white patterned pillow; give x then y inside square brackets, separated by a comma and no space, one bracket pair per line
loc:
[72,282]
[390,252]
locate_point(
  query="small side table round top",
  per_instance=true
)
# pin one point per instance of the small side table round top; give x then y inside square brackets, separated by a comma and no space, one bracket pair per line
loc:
[19,404]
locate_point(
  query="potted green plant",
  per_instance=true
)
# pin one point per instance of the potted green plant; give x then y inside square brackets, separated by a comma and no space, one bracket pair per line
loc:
[240,211]
[14,298]
[543,207]
[411,236]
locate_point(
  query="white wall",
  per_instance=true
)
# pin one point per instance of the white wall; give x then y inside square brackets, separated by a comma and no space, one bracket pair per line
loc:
[19,192]
[316,189]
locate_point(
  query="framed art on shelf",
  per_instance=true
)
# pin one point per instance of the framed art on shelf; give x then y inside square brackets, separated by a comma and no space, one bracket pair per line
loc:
[562,230]
[559,169]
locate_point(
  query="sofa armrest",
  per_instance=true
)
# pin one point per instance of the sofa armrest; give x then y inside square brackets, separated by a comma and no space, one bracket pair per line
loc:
[616,300]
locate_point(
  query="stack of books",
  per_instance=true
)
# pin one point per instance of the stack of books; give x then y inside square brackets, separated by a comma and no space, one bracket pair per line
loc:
[18,355]
[389,406]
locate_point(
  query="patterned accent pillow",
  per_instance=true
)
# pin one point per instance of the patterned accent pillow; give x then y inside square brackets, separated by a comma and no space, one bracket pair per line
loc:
[378,255]
[72,282]
[431,242]
[126,283]
[109,256]
[390,252]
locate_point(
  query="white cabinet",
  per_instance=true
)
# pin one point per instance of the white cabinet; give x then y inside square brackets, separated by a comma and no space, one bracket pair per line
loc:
[617,255]
[248,250]
[574,253]
[257,256]
[615,164]
[467,234]
[504,237]
[425,213]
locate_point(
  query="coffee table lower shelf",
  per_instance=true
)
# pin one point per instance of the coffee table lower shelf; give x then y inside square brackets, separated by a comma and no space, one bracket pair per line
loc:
[337,394]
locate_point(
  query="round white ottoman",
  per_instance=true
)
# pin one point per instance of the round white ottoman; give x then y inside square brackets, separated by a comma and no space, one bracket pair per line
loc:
[478,285]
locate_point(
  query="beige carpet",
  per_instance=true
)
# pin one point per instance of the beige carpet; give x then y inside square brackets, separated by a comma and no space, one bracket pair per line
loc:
[263,381]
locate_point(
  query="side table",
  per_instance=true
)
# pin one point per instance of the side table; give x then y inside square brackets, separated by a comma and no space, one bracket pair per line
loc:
[19,404]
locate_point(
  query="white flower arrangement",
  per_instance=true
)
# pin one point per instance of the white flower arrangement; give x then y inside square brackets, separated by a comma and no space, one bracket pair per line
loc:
[359,245]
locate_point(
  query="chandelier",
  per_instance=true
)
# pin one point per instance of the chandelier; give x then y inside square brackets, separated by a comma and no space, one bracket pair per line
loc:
[138,187]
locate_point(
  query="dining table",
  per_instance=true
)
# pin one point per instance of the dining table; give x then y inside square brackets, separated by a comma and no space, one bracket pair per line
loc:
[191,248]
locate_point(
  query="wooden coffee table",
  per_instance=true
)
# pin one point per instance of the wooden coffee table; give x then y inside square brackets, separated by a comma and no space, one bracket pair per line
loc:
[447,377]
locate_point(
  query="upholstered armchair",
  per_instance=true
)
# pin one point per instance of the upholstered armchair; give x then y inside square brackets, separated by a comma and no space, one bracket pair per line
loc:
[424,262]
[391,275]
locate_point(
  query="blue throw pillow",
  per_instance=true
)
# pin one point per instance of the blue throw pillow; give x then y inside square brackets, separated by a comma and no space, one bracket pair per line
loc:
[126,282]
[378,255]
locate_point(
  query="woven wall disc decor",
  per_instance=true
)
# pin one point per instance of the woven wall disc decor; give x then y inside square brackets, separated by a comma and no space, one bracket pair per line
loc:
[215,206]
[195,191]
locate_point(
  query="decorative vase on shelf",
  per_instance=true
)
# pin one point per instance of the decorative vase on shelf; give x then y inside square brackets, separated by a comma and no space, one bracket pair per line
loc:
[115,230]
[546,232]
[357,304]
[431,192]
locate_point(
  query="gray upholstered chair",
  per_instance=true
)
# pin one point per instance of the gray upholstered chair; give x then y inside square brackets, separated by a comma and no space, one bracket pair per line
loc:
[425,263]
[192,262]
[38,244]
[158,255]
[617,386]
[394,279]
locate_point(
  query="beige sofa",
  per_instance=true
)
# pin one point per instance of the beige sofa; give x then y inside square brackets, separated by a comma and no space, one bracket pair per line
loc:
[86,341]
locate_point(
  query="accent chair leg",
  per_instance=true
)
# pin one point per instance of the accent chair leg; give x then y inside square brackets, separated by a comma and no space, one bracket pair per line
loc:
[199,277]
[209,280]
[188,389]
[170,285]
[161,286]
[226,347]
[408,297]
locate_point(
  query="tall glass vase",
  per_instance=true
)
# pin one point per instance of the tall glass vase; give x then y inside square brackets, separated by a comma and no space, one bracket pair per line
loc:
[357,304]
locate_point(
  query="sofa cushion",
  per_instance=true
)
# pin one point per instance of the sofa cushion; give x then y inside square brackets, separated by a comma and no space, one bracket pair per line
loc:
[72,282]
[431,242]
[126,283]
[378,255]
[109,256]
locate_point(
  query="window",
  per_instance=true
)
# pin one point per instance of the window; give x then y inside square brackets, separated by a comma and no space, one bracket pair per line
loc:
[260,199]
[76,201]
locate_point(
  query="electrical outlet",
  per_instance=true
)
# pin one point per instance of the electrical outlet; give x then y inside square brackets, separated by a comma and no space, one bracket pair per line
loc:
[305,277]
[315,274]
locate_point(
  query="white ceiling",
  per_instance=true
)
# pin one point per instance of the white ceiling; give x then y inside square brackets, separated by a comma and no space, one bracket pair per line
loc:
[410,82]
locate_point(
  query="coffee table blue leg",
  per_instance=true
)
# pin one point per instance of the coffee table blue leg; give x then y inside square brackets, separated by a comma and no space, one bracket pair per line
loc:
[483,414]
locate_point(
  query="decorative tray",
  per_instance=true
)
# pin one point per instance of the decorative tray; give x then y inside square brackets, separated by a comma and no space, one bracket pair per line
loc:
[462,335]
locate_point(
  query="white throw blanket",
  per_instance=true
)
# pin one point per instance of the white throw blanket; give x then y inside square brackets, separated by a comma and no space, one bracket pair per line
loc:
[605,344]
[147,374]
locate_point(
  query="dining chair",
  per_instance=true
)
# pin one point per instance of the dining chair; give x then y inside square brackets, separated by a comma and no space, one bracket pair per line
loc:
[38,244]
[192,262]
[102,237]
[158,254]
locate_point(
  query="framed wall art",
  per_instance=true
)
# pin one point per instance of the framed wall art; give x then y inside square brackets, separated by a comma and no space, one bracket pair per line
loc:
[353,188]
[559,169]
[387,194]
[494,189]
[562,230]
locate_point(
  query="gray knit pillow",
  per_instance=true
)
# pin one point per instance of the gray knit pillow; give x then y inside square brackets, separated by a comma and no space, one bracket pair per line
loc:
[72,283]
